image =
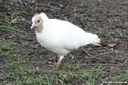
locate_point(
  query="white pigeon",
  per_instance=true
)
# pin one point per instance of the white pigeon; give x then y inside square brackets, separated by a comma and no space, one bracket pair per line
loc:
[60,36]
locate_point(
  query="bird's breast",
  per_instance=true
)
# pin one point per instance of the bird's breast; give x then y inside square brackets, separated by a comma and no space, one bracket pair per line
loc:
[51,44]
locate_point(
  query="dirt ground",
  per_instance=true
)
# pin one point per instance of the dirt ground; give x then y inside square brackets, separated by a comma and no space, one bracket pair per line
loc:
[106,18]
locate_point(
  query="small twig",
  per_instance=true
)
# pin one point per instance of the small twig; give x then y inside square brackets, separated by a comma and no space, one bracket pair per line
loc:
[96,55]
[125,61]
[103,53]
[87,52]
[91,56]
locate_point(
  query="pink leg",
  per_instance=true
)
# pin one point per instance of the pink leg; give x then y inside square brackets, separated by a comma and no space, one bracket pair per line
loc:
[57,61]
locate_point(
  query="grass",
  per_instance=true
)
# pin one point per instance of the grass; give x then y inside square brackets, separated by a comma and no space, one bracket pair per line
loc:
[113,32]
[69,74]
[17,17]
[6,25]
[9,23]
[18,74]
[6,46]
[122,77]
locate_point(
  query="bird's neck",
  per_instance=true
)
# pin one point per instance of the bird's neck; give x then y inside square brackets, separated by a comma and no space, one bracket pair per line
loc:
[39,29]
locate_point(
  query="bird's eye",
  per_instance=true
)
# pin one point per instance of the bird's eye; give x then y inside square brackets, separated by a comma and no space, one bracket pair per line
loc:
[38,21]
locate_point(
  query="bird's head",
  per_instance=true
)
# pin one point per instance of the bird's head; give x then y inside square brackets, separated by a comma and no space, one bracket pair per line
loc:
[37,22]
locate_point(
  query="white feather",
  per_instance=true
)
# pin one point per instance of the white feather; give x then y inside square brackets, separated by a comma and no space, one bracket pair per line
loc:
[61,36]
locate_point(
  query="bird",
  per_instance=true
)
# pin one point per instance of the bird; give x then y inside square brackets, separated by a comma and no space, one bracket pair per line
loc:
[60,36]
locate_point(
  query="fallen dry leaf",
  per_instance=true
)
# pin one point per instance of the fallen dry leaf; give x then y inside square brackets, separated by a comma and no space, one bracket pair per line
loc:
[113,45]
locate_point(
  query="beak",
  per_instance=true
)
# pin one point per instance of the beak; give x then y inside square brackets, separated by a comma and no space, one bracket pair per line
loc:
[33,27]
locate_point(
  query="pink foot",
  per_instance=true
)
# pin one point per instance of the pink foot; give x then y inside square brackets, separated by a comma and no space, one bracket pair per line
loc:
[54,64]
[57,61]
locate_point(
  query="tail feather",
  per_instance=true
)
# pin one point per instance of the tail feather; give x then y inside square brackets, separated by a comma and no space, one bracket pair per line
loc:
[96,40]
